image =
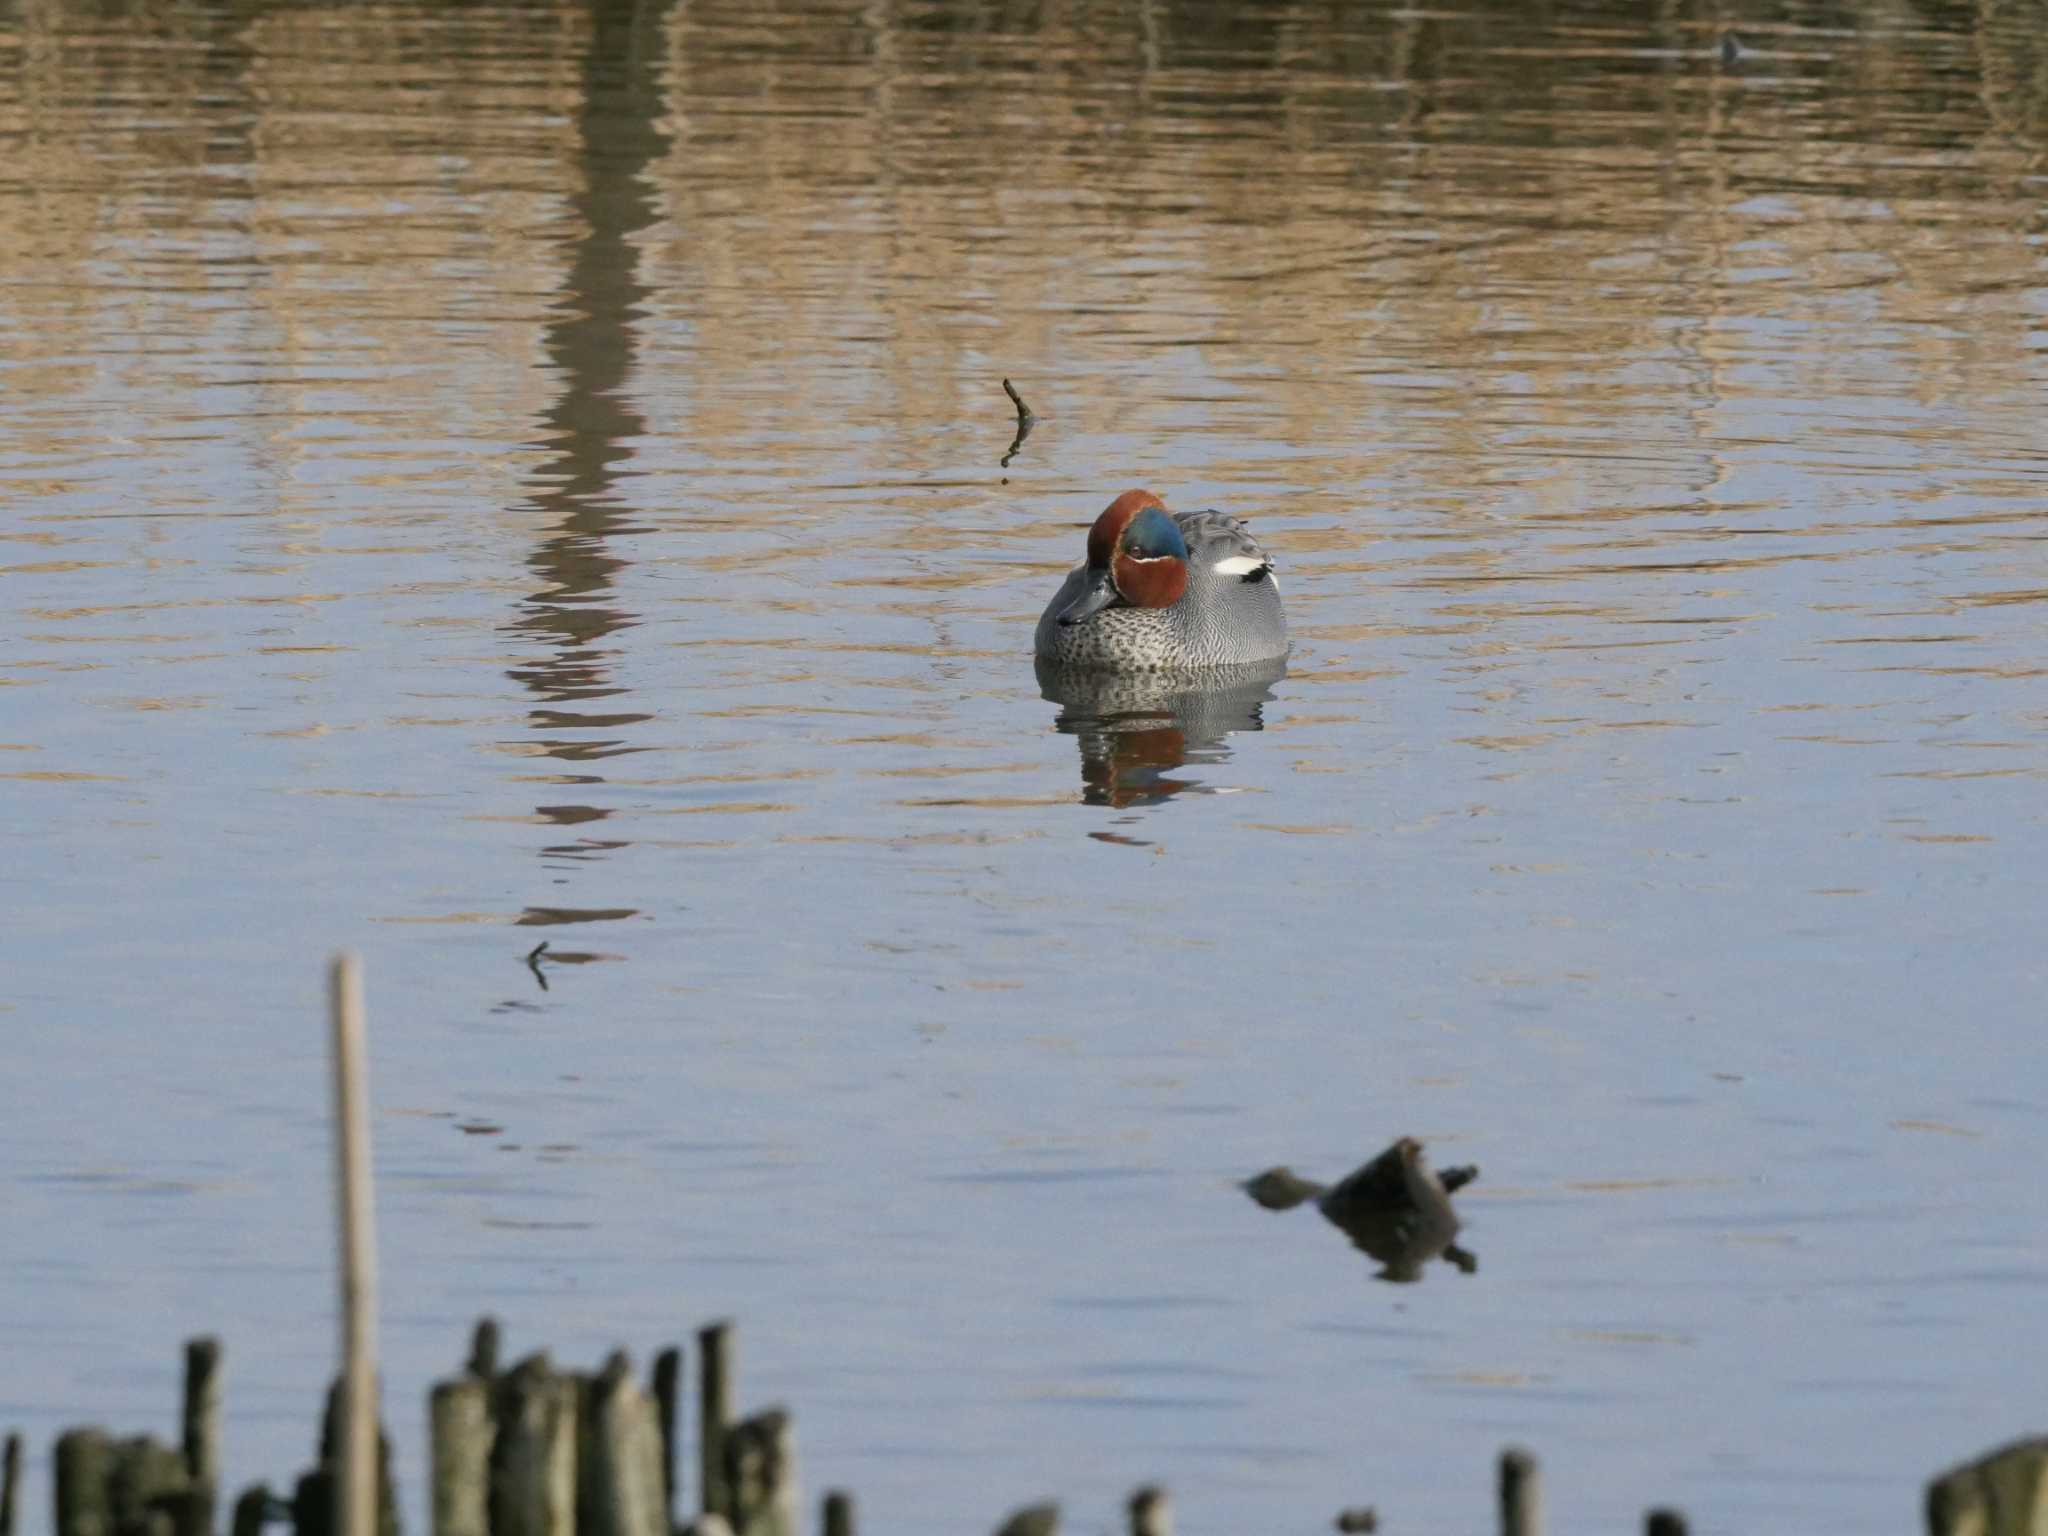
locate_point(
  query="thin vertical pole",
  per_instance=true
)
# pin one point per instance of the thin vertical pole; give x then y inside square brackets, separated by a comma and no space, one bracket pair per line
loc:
[356,1484]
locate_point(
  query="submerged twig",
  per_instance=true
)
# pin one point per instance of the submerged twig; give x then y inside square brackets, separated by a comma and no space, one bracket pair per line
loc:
[1025,421]
[533,963]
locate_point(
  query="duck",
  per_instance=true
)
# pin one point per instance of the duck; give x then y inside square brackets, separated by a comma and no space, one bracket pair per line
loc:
[1160,589]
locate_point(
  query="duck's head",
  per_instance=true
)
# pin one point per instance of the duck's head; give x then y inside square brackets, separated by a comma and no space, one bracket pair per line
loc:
[1136,556]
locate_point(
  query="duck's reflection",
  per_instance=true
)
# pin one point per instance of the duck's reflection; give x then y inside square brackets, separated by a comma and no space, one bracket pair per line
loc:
[1137,730]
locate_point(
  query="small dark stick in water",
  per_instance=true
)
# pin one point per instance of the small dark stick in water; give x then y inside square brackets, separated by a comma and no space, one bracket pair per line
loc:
[1025,421]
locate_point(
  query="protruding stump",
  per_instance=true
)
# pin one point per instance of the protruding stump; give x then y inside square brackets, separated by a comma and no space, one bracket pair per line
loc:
[1521,1494]
[533,1459]
[251,1510]
[83,1459]
[714,1414]
[1358,1519]
[201,1425]
[760,1475]
[838,1513]
[10,1484]
[147,1488]
[668,1387]
[620,1482]
[2002,1494]
[1663,1522]
[384,1509]
[459,1452]
[483,1350]
[1032,1520]
[313,1504]
[1151,1512]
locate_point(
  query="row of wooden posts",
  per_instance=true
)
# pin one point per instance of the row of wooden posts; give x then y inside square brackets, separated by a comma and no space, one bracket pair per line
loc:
[533,1451]
[536,1451]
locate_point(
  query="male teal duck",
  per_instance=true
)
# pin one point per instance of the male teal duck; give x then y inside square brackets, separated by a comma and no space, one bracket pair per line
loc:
[1164,589]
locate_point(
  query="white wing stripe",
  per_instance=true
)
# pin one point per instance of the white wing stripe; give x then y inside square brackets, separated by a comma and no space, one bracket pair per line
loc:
[1238,565]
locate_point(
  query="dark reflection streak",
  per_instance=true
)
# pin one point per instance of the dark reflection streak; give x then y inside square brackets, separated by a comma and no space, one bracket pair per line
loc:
[590,431]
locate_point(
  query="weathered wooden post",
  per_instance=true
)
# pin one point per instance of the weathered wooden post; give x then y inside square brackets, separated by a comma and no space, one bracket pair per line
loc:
[1521,1494]
[668,1386]
[1151,1512]
[356,1457]
[483,1350]
[760,1475]
[459,1435]
[146,1488]
[201,1432]
[251,1510]
[714,1413]
[533,1460]
[10,1484]
[2004,1493]
[838,1513]
[316,1506]
[1032,1520]
[83,1459]
[619,1485]
[1663,1522]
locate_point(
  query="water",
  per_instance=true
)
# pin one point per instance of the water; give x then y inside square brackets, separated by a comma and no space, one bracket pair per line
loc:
[472,477]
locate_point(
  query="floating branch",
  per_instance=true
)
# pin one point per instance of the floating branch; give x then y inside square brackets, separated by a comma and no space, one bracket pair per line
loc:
[1025,421]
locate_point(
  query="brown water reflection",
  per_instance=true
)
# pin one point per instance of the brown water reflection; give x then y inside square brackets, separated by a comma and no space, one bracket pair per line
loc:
[410,415]
[1136,732]
[591,430]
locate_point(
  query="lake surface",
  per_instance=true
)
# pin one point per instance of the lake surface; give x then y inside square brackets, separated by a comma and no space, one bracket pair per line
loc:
[473,476]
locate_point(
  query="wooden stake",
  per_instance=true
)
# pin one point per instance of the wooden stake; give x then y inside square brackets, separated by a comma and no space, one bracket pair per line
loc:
[251,1510]
[668,1387]
[619,1483]
[356,1467]
[1032,1520]
[1664,1522]
[714,1413]
[760,1475]
[1521,1494]
[533,1460]
[1151,1512]
[202,1428]
[838,1513]
[84,1458]
[483,1350]
[459,1436]
[10,1484]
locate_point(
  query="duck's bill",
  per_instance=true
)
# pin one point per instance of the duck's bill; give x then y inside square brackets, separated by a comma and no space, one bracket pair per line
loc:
[1097,595]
